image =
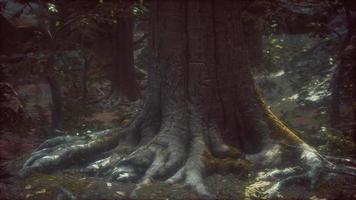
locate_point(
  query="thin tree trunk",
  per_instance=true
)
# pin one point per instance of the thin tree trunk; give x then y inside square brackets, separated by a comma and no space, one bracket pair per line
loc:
[56,114]
[336,87]
[341,71]
[85,80]
[123,72]
[55,88]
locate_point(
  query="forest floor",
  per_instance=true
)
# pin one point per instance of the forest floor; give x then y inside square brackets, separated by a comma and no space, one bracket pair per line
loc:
[65,185]
[308,120]
[243,185]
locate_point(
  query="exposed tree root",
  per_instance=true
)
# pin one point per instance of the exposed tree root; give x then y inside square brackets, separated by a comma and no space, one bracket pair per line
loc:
[66,150]
[312,169]
[176,156]
[168,158]
[348,161]
[173,155]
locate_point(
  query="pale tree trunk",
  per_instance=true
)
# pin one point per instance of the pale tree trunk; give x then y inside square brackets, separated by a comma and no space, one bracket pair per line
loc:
[201,104]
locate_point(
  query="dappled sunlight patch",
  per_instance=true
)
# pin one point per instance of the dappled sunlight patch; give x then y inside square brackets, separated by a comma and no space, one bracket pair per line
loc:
[293,97]
[318,88]
[317,95]
[277,74]
[264,181]
[256,189]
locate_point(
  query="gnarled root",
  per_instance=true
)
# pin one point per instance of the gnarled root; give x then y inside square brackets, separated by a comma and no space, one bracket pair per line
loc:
[166,157]
[151,161]
[313,169]
[64,151]
[175,154]
[192,172]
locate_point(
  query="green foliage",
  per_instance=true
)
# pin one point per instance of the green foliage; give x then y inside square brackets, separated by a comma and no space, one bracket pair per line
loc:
[279,50]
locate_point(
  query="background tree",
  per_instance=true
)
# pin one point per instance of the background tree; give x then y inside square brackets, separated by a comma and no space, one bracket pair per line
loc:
[123,71]
[67,29]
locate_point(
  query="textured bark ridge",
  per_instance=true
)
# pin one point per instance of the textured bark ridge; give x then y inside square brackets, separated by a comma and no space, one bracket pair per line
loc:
[200,93]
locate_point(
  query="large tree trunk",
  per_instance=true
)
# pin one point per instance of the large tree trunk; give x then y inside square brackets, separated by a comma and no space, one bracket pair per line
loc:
[204,68]
[201,96]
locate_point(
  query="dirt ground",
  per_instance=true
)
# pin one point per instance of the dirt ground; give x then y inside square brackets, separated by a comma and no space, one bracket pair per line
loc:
[69,186]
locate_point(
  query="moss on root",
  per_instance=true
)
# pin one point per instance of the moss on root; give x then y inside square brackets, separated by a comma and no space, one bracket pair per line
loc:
[226,165]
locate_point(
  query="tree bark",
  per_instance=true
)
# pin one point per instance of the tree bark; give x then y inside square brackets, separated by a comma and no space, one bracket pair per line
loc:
[205,69]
